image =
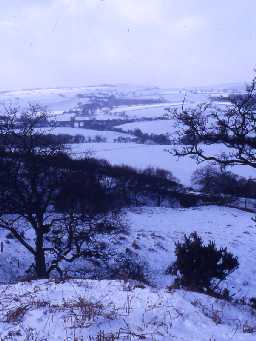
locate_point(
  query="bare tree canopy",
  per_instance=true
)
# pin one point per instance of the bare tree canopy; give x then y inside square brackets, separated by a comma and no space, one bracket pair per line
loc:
[34,174]
[234,128]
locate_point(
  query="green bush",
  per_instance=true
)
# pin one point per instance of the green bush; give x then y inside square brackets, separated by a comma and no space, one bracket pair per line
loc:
[197,265]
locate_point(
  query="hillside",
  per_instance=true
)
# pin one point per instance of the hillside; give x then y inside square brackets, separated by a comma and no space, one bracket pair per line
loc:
[112,310]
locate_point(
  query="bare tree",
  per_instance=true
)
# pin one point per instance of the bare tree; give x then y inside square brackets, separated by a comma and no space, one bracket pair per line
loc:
[33,174]
[233,127]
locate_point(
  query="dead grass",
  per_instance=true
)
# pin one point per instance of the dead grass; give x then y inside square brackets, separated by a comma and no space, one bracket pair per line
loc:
[81,313]
[216,315]
[16,314]
[248,328]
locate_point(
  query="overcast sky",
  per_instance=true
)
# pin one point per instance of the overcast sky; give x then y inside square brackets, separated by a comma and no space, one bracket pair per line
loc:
[49,43]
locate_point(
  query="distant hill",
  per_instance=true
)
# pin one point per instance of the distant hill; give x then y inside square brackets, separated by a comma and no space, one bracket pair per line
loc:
[233,86]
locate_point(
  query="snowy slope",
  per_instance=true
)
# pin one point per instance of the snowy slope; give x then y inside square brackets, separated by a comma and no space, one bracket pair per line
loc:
[151,238]
[155,231]
[49,310]
[150,127]
[142,156]
[110,136]
[84,310]
[60,99]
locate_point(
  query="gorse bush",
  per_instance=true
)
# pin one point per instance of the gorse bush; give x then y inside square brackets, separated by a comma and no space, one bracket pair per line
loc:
[197,265]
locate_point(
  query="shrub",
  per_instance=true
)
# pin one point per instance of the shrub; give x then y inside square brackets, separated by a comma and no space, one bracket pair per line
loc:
[197,265]
[253,302]
[213,180]
[129,267]
[188,200]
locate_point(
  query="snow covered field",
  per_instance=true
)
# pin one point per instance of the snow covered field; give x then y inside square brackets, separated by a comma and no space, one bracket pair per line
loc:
[145,111]
[108,310]
[152,234]
[83,308]
[142,156]
[150,127]
[68,97]
[64,99]
[87,310]
[110,136]
[157,229]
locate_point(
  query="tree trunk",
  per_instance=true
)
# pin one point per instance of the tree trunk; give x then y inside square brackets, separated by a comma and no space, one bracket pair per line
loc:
[40,257]
[158,200]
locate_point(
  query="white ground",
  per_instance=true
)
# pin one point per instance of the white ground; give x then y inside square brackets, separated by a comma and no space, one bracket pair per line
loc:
[142,156]
[156,230]
[144,111]
[152,236]
[82,310]
[110,136]
[150,127]
[52,311]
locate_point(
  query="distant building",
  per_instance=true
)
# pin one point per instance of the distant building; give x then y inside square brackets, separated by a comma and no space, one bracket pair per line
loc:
[80,121]
[63,120]
[70,119]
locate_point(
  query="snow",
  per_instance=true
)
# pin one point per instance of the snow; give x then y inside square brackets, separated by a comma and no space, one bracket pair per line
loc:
[144,111]
[55,310]
[160,106]
[152,233]
[110,136]
[61,117]
[150,127]
[142,156]
[157,229]
[81,310]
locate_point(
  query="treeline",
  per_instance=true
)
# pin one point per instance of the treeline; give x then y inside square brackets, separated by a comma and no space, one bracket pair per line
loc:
[162,139]
[99,102]
[78,138]
[128,186]
[46,138]
[67,204]
[57,207]
[107,124]
[89,180]
[213,180]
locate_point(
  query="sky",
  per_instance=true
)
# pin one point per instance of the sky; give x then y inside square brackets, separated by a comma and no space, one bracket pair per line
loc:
[174,43]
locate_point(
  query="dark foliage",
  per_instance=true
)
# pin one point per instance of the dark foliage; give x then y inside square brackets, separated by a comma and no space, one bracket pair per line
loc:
[253,302]
[99,102]
[189,200]
[161,139]
[63,202]
[197,265]
[128,266]
[58,200]
[213,180]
